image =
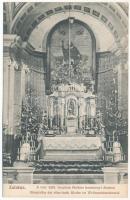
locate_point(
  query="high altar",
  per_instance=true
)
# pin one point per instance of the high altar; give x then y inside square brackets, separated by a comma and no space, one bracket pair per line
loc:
[75,130]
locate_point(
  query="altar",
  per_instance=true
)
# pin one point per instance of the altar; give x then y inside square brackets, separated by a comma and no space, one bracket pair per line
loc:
[78,148]
[74,129]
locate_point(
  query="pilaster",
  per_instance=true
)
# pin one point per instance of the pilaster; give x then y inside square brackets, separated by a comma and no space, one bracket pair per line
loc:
[13,91]
[8,86]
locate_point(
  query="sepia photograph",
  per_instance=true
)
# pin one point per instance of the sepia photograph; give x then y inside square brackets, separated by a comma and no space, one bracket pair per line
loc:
[65,98]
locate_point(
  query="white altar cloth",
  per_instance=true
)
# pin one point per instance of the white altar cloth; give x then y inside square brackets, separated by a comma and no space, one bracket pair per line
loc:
[71,143]
[71,148]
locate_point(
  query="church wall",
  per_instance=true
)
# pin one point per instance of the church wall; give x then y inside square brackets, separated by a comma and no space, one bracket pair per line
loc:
[114,78]
[35,77]
[6,24]
[123,91]
[112,97]
[106,79]
[5,88]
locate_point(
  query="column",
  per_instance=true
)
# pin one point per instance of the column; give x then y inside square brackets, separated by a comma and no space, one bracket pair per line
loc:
[59,111]
[65,113]
[14,87]
[62,112]
[11,76]
[80,113]
[19,93]
[42,92]
[88,111]
[6,62]
[8,96]
[51,111]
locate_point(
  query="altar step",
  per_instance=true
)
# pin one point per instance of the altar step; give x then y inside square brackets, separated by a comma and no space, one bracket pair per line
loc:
[70,167]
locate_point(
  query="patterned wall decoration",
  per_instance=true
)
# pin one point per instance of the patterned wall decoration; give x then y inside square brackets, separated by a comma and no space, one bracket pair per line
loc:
[71,50]
[18,26]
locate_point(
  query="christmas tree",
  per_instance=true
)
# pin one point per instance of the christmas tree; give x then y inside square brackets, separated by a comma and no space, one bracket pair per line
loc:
[31,115]
[116,125]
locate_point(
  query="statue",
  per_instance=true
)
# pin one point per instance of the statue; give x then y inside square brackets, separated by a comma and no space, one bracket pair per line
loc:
[39,147]
[71,107]
[15,52]
[117,150]
[25,150]
[39,151]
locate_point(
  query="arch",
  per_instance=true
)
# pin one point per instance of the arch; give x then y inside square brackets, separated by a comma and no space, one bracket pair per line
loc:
[40,12]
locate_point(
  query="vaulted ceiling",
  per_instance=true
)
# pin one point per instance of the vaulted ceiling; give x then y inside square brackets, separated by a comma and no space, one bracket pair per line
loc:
[109,21]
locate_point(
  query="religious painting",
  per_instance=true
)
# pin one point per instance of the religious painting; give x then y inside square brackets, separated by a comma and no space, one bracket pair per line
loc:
[71,49]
